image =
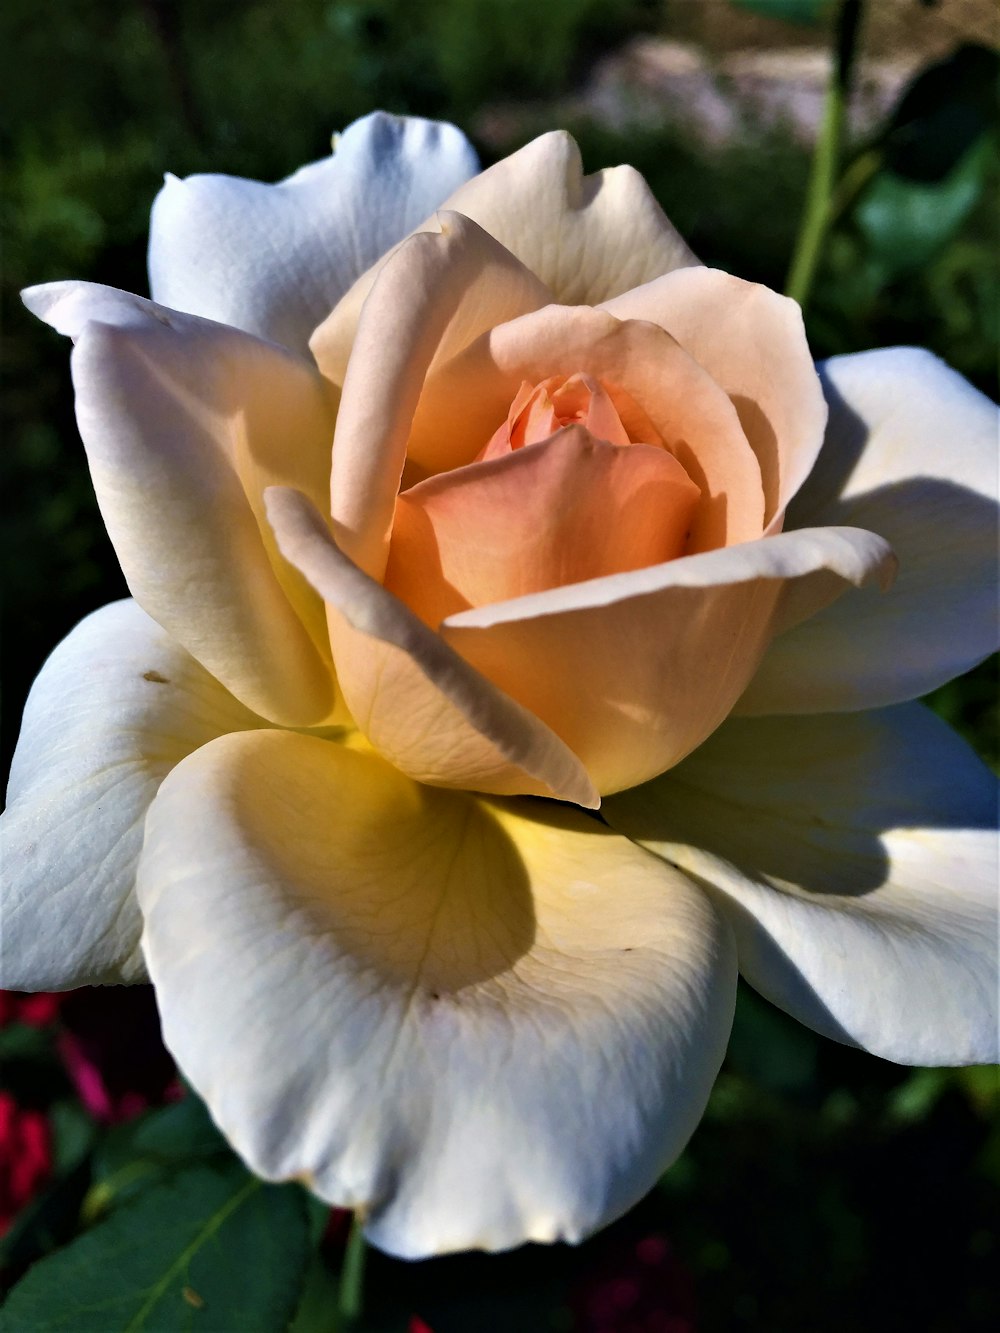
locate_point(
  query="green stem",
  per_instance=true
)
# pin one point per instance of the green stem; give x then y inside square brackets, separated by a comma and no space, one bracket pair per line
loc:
[352,1277]
[826,158]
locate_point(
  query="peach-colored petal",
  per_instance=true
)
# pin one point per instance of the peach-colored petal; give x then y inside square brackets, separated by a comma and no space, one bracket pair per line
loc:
[568,509]
[425,709]
[582,398]
[465,401]
[752,342]
[538,412]
[436,294]
[635,670]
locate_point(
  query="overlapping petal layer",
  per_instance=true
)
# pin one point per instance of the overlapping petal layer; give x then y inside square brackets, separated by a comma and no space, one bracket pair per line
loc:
[586,238]
[910,452]
[274,259]
[438,293]
[477,1022]
[115,707]
[753,344]
[414,698]
[856,858]
[634,670]
[185,423]
[565,510]
[658,390]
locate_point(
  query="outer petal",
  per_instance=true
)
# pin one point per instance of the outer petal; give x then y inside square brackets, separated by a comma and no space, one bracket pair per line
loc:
[587,237]
[435,295]
[185,423]
[414,698]
[634,670]
[467,398]
[752,342]
[857,860]
[910,452]
[275,259]
[114,708]
[479,1023]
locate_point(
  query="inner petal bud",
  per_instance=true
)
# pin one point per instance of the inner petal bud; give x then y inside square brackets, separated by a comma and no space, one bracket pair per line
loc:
[561,511]
[539,411]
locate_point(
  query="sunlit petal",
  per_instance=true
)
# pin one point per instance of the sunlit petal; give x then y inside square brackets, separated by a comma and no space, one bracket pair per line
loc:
[477,1022]
[634,670]
[415,699]
[274,259]
[185,423]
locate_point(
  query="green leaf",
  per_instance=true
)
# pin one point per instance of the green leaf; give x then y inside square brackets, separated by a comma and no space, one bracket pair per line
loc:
[942,113]
[22,1041]
[906,222]
[49,1220]
[182,1131]
[73,1133]
[212,1248]
[809,12]
[146,1151]
[317,1310]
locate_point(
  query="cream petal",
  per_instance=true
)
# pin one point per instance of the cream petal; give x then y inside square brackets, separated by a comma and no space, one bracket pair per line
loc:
[856,858]
[114,708]
[753,343]
[274,259]
[478,1023]
[587,237]
[634,670]
[414,698]
[910,452]
[185,423]
[467,398]
[466,282]
[435,295]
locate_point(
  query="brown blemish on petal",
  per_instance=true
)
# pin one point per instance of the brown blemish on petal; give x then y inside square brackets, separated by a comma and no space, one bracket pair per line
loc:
[155,677]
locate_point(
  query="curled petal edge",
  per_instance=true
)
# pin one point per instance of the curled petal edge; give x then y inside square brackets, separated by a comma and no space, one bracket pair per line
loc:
[526,745]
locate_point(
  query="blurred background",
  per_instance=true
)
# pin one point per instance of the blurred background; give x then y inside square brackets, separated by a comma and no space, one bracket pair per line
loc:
[825,1190]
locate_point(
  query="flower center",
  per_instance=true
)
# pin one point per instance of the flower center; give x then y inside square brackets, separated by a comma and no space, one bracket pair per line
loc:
[561,493]
[539,411]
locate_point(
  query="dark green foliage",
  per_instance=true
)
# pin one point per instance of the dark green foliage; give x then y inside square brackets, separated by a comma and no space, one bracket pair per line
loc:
[210,1247]
[792,11]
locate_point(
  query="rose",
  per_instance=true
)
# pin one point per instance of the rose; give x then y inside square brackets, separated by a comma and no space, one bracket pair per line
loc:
[484,1019]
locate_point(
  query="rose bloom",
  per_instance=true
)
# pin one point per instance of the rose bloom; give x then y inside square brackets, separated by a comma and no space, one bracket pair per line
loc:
[507,667]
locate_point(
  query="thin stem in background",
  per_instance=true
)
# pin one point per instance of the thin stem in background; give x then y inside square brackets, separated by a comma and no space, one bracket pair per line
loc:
[826,157]
[352,1277]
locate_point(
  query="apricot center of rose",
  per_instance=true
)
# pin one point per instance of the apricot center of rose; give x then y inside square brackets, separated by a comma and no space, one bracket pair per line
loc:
[539,411]
[559,494]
